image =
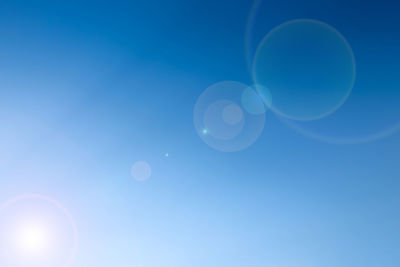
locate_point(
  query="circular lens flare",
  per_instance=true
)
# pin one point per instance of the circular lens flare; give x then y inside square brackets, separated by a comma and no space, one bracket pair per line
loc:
[308,67]
[141,171]
[232,114]
[223,120]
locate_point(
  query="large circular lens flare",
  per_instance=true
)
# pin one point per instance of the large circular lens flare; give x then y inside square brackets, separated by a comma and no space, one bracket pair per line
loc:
[307,66]
[371,113]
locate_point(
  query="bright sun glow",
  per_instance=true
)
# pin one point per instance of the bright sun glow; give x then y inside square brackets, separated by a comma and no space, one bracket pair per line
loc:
[32,240]
[36,231]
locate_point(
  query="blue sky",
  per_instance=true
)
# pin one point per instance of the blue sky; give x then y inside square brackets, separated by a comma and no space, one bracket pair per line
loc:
[89,88]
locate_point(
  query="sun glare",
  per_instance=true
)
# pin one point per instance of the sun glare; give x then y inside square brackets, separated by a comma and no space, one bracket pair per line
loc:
[32,240]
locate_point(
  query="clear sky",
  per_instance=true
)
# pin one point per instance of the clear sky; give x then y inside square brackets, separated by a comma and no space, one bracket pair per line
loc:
[88,88]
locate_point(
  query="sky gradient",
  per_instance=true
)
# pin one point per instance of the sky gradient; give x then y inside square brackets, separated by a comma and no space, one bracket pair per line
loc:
[88,88]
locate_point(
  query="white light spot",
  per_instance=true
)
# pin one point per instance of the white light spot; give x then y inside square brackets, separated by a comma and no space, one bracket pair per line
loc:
[32,240]
[36,230]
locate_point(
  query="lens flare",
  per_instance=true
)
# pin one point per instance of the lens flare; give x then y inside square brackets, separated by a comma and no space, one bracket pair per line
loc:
[36,230]
[32,239]
[229,116]
[141,171]
[308,67]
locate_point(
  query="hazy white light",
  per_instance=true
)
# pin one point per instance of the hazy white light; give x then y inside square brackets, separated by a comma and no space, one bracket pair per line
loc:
[32,240]
[36,230]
